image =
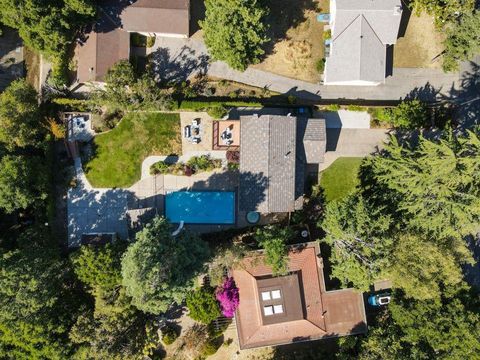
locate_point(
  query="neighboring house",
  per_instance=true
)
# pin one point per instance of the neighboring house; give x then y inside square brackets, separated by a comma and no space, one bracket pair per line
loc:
[296,307]
[109,40]
[274,154]
[361,32]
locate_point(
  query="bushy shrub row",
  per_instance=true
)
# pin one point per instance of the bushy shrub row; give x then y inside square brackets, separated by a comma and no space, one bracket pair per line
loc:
[194,165]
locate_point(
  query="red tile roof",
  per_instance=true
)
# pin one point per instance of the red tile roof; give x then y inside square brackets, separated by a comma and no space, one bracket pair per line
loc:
[325,314]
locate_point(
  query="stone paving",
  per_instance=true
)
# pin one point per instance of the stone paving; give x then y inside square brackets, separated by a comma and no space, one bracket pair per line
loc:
[206,131]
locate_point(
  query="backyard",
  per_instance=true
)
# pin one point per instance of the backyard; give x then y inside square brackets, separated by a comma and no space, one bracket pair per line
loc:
[340,178]
[297,43]
[421,44]
[118,154]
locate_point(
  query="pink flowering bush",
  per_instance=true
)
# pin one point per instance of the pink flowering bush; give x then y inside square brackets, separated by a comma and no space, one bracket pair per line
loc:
[228,297]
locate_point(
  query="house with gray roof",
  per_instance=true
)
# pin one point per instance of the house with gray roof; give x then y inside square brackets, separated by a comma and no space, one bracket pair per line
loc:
[361,32]
[274,154]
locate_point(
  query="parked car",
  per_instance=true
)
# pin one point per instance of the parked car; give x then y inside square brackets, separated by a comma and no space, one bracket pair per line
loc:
[379,299]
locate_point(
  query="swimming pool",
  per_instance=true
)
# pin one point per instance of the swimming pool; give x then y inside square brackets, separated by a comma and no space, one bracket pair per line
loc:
[200,207]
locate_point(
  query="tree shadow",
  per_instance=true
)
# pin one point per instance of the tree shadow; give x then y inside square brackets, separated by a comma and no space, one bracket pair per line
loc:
[178,67]
[303,349]
[426,93]
[12,65]
[109,14]
[285,15]
[197,13]
[466,98]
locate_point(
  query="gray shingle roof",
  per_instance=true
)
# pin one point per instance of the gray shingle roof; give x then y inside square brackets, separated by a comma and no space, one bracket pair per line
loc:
[358,54]
[361,29]
[267,163]
[383,15]
[313,137]
[273,153]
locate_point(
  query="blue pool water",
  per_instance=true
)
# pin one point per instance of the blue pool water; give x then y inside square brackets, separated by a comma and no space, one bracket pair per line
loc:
[200,207]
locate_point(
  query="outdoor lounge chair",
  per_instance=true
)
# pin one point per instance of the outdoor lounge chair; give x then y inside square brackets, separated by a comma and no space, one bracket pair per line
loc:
[187,131]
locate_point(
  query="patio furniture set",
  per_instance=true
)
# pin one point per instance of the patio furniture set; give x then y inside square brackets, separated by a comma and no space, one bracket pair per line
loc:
[192,132]
[227,136]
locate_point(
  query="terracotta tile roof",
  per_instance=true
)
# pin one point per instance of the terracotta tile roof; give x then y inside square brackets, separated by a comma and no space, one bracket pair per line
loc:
[325,314]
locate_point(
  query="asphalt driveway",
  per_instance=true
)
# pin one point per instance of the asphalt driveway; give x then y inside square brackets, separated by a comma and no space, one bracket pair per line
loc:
[178,59]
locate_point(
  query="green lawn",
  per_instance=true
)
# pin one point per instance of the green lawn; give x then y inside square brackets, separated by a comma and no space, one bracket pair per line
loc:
[340,178]
[118,154]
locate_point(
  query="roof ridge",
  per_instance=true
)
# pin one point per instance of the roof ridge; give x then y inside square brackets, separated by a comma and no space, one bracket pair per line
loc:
[371,27]
[346,27]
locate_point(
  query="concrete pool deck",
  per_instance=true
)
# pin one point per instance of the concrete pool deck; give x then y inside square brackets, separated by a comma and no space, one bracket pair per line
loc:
[104,210]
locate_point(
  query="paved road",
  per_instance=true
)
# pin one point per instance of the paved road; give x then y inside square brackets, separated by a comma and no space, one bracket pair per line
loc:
[178,59]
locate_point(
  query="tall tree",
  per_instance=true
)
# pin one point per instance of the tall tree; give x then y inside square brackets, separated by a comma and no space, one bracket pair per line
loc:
[423,279]
[235,32]
[273,240]
[410,114]
[48,26]
[99,266]
[23,182]
[443,11]
[442,329]
[36,307]
[125,91]
[462,41]
[20,121]
[435,186]
[113,328]
[361,238]
[158,268]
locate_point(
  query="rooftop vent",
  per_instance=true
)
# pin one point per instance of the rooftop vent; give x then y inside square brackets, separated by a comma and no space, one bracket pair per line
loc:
[397,10]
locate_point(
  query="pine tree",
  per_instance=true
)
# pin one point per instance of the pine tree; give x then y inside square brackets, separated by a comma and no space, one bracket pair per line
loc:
[360,240]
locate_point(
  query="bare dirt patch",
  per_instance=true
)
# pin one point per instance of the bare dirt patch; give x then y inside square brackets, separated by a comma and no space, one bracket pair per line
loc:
[297,42]
[420,46]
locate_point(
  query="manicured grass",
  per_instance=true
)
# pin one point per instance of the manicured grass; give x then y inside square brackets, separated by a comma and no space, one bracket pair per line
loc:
[340,178]
[118,154]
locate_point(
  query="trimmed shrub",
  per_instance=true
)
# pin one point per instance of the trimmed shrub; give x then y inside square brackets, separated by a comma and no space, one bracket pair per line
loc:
[210,347]
[73,104]
[202,305]
[320,65]
[160,167]
[327,35]
[333,107]
[169,334]
[150,41]
[356,108]
[217,112]
[203,163]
